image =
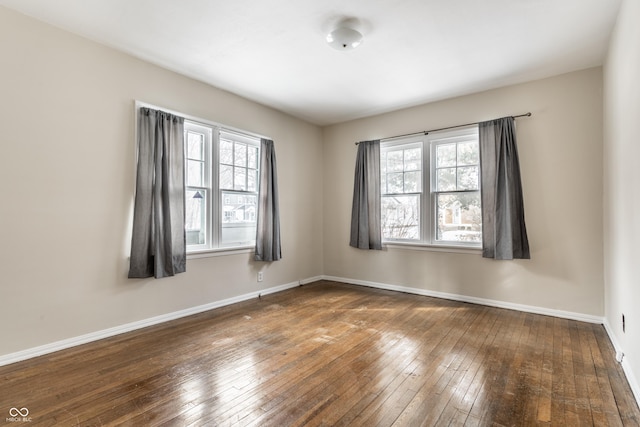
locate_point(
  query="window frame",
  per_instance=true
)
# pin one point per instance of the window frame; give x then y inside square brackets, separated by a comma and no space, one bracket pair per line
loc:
[207,186]
[451,137]
[250,141]
[407,143]
[213,210]
[427,239]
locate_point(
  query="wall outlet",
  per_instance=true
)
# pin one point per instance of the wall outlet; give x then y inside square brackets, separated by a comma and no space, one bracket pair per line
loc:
[260,276]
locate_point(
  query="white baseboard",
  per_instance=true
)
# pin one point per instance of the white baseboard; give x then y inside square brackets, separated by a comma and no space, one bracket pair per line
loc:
[481,301]
[311,280]
[117,330]
[626,367]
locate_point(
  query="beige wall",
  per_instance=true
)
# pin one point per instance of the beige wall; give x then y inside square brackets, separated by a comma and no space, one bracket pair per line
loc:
[560,150]
[622,187]
[67,179]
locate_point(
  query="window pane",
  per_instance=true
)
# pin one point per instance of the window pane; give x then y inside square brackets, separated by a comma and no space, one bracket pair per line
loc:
[412,159]
[195,173]
[226,177]
[240,154]
[252,160]
[468,178]
[195,146]
[238,207]
[459,218]
[226,152]
[238,218]
[195,215]
[394,183]
[240,179]
[446,179]
[401,217]
[252,180]
[383,183]
[383,164]
[468,153]
[445,155]
[394,161]
[412,182]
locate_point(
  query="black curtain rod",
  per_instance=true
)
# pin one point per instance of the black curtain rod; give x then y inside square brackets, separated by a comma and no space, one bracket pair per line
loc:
[427,132]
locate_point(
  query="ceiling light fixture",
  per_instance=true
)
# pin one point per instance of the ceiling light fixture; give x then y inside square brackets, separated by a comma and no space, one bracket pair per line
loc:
[344,38]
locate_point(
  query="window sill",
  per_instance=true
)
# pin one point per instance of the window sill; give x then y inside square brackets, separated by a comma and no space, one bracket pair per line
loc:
[208,253]
[433,248]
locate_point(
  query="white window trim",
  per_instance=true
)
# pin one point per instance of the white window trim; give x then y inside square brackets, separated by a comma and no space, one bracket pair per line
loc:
[428,224]
[216,252]
[430,248]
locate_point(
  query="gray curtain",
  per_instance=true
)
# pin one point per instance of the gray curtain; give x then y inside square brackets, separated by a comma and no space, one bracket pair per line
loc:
[268,230]
[365,212]
[504,234]
[158,246]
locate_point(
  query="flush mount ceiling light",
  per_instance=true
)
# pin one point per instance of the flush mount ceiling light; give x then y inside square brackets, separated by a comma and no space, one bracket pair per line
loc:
[344,38]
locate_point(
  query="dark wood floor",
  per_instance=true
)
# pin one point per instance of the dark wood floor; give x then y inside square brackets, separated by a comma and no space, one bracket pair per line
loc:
[333,354]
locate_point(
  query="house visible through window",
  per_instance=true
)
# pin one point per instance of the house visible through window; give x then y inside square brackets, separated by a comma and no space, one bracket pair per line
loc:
[221,187]
[431,189]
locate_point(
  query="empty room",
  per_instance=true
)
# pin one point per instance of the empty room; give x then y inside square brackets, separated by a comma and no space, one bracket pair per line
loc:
[319,213]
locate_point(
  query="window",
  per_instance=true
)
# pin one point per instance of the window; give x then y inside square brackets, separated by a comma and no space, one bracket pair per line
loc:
[431,189]
[401,183]
[221,194]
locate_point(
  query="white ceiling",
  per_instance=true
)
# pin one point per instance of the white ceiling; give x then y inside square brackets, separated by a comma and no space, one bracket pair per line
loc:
[414,51]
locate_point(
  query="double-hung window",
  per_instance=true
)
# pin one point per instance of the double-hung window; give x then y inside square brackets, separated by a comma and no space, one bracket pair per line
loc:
[431,189]
[221,194]
[401,181]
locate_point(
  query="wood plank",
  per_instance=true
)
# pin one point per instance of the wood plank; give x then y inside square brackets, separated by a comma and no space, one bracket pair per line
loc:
[546,375]
[531,348]
[494,404]
[558,403]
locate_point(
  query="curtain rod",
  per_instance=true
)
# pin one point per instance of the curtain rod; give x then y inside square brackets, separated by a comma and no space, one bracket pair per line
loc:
[426,132]
[206,122]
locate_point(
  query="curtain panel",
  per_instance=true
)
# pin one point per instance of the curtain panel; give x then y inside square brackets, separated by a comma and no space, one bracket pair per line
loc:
[268,247]
[504,234]
[365,212]
[158,242]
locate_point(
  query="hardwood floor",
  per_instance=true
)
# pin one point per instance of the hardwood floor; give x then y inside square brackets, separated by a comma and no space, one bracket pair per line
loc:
[332,354]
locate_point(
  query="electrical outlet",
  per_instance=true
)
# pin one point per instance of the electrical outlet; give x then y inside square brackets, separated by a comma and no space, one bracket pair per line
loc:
[623,323]
[260,276]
